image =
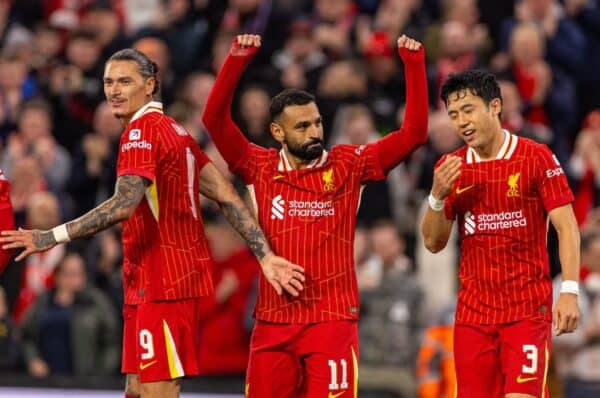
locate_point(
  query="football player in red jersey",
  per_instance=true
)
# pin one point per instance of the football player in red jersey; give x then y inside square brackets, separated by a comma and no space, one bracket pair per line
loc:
[7,218]
[501,189]
[166,265]
[306,199]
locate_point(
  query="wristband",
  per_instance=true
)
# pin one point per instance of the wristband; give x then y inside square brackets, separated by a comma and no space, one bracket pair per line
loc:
[61,235]
[435,204]
[570,287]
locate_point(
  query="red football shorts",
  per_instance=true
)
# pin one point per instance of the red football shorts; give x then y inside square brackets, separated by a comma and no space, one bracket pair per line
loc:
[160,339]
[303,360]
[494,360]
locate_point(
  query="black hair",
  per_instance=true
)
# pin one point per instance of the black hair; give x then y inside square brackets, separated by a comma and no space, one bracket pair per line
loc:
[146,67]
[287,97]
[478,82]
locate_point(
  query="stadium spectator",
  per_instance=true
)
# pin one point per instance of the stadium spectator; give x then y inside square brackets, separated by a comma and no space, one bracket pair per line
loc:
[583,168]
[502,189]
[576,354]
[152,173]
[587,16]
[16,88]
[156,49]
[564,40]
[512,118]
[235,271]
[10,343]
[71,329]
[465,12]
[36,274]
[92,177]
[391,322]
[435,364]
[306,199]
[34,138]
[104,258]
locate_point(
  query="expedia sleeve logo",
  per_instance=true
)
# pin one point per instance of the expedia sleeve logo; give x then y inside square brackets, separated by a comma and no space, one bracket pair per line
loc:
[136,145]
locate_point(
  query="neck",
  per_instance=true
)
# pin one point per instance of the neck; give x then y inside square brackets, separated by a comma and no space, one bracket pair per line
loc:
[490,150]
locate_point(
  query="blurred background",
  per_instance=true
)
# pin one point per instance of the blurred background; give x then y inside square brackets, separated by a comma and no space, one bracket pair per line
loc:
[60,311]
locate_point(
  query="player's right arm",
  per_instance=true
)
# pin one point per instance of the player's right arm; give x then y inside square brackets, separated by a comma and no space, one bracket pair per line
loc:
[280,273]
[436,227]
[129,191]
[227,136]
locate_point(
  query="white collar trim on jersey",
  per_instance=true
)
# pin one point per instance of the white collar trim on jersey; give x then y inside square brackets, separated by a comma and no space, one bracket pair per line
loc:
[152,106]
[284,163]
[506,150]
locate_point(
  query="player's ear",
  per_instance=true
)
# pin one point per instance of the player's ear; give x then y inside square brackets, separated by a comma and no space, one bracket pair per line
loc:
[149,87]
[496,106]
[277,132]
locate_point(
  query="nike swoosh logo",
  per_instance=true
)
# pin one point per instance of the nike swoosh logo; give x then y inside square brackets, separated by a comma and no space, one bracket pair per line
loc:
[461,190]
[145,365]
[332,395]
[277,177]
[525,379]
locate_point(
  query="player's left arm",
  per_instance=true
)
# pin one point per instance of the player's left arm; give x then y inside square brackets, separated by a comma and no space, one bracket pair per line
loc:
[566,311]
[394,147]
[129,191]
[279,272]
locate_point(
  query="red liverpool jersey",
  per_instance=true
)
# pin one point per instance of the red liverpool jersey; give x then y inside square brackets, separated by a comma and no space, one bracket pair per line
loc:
[309,216]
[7,219]
[166,255]
[502,207]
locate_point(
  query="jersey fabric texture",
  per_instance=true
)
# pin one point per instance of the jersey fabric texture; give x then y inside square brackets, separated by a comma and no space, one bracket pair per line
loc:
[502,207]
[166,255]
[309,217]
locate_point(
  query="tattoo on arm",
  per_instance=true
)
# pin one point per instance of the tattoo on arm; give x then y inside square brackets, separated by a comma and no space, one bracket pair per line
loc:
[43,239]
[240,218]
[129,191]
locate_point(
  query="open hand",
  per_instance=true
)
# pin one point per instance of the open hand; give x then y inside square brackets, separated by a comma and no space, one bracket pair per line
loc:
[32,241]
[282,274]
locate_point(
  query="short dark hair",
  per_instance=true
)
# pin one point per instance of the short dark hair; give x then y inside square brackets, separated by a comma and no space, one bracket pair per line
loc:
[479,82]
[146,66]
[287,97]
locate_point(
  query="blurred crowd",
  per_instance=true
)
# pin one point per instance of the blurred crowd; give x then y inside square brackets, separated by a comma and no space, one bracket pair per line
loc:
[60,310]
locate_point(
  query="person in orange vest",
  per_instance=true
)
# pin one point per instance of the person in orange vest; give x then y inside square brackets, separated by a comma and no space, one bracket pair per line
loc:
[435,362]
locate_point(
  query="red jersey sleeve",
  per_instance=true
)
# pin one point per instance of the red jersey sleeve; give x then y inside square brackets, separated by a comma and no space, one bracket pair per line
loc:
[138,151]
[7,219]
[248,165]
[551,180]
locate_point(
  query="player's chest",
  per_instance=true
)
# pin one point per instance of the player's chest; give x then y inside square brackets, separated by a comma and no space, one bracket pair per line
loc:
[506,184]
[306,196]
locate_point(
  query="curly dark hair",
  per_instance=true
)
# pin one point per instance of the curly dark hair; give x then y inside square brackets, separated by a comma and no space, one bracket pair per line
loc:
[290,96]
[478,82]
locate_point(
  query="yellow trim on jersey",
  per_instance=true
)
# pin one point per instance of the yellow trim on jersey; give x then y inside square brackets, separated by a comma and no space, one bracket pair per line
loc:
[175,368]
[152,198]
[355,367]
[547,358]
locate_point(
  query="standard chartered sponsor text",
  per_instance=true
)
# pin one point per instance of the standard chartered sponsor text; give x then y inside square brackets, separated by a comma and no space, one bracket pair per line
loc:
[504,220]
[315,208]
